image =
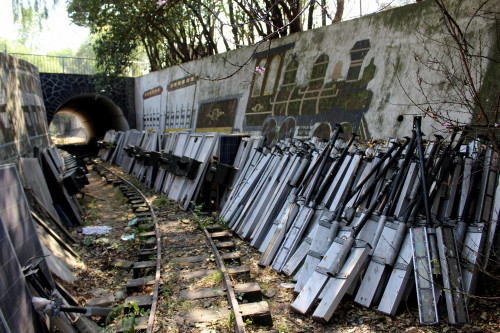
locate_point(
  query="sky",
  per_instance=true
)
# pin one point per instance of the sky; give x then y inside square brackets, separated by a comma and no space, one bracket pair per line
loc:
[57,33]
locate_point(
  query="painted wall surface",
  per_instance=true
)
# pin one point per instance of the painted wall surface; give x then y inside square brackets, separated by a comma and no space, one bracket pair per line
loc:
[23,124]
[361,73]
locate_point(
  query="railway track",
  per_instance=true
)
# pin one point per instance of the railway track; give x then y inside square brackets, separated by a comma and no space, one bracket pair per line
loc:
[202,276]
[147,269]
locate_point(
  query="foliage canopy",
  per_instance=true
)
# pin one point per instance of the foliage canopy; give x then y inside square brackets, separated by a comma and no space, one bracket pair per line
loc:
[175,31]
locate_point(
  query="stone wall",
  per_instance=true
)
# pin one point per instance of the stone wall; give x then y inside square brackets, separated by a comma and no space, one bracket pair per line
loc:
[23,124]
[58,89]
[362,73]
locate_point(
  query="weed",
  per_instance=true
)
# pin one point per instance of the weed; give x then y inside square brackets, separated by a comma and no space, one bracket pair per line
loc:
[239,296]
[127,319]
[217,219]
[161,201]
[91,204]
[198,215]
[87,241]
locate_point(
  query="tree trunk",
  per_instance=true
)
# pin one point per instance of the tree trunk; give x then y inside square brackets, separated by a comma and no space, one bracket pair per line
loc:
[339,12]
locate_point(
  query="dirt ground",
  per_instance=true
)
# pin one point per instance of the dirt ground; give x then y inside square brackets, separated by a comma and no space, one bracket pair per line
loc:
[105,205]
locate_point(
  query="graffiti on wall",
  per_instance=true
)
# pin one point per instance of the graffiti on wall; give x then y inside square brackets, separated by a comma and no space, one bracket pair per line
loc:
[311,109]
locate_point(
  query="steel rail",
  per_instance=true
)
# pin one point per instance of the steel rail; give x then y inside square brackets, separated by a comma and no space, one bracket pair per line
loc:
[152,314]
[239,326]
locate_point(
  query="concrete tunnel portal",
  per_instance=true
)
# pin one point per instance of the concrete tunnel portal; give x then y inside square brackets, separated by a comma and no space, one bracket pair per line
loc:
[97,114]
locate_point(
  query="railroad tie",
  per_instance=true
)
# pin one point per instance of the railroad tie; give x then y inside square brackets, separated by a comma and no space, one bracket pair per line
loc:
[134,285]
[143,268]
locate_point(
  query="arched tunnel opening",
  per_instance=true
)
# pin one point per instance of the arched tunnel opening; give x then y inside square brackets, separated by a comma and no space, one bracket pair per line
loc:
[97,115]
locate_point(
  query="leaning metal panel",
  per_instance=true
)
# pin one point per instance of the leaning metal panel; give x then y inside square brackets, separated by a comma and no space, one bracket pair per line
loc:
[15,301]
[16,217]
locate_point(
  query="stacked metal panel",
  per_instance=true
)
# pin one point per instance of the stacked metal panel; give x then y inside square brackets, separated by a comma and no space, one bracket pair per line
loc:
[356,223]
[67,206]
[359,218]
[20,247]
[108,144]
[175,163]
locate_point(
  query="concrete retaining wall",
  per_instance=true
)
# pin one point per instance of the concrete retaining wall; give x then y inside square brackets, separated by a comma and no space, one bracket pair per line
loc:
[23,124]
[347,73]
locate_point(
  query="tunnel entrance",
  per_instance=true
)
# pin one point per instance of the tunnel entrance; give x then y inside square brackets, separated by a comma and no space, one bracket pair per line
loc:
[96,115]
[67,128]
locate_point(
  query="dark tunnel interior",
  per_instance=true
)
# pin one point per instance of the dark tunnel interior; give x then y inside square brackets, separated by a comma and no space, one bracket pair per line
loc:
[98,115]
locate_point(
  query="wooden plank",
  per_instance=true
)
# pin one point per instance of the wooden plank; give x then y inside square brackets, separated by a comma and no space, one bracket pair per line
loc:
[140,324]
[250,291]
[142,301]
[198,274]
[202,293]
[221,235]
[231,257]
[55,236]
[143,268]
[135,284]
[193,259]
[203,315]
[257,312]
[242,272]
[225,245]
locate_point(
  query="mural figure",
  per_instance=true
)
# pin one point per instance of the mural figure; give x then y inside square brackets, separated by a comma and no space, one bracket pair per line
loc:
[179,109]
[217,116]
[301,109]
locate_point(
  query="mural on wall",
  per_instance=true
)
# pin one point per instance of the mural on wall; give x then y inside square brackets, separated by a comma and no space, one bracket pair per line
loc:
[311,109]
[217,116]
[152,106]
[178,116]
[182,83]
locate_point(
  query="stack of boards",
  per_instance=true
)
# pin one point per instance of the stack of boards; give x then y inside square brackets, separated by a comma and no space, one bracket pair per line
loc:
[347,217]
[35,212]
[199,147]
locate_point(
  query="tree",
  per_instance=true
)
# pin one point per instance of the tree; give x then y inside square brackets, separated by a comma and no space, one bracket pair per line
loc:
[28,12]
[176,31]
